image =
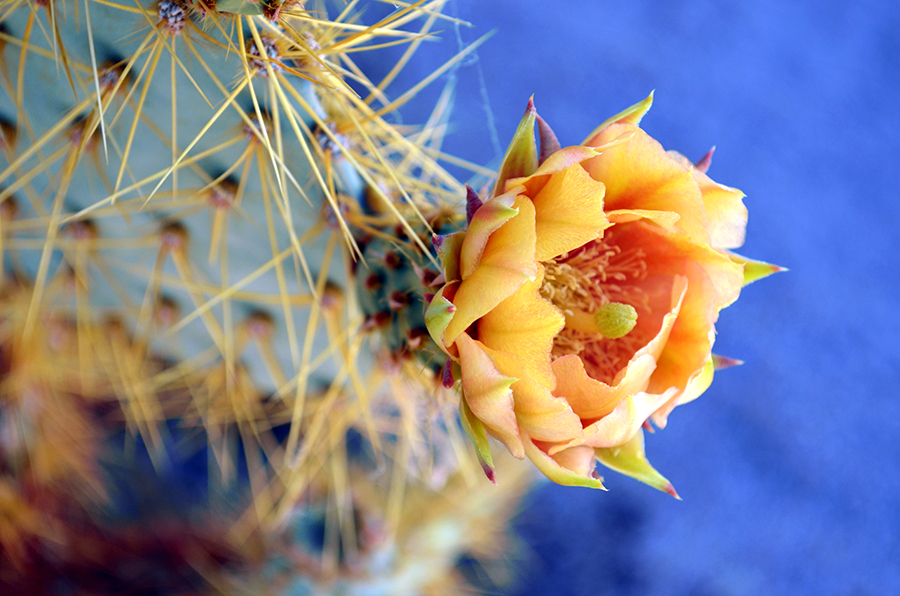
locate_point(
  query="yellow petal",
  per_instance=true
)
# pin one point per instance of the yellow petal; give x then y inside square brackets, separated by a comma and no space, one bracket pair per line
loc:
[568,212]
[505,264]
[698,383]
[486,220]
[543,416]
[559,471]
[525,325]
[664,219]
[487,393]
[626,420]
[630,459]
[725,208]
[639,174]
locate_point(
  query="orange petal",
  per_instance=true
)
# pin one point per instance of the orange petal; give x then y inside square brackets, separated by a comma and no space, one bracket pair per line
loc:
[574,468]
[664,219]
[725,208]
[690,342]
[667,255]
[592,399]
[525,325]
[568,212]
[487,393]
[507,262]
[639,174]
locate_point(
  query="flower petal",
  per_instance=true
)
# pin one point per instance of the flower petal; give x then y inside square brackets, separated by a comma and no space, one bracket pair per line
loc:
[525,324]
[559,471]
[664,219]
[724,205]
[485,221]
[592,399]
[627,419]
[639,174]
[506,262]
[568,212]
[630,459]
[487,393]
[543,416]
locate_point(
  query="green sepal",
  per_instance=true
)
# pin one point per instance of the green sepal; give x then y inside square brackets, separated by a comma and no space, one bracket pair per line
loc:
[555,472]
[438,315]
[632,115]
[755,270]
[629,459]
[478,434]
[241,7]
[448,247]
[521,157]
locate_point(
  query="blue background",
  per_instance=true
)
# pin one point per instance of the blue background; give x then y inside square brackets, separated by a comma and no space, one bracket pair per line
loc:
[788,465]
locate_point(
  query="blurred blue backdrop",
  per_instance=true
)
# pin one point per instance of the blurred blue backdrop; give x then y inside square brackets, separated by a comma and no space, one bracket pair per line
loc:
[789,466]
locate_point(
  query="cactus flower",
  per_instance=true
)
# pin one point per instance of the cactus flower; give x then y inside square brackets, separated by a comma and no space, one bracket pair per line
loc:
[581,300]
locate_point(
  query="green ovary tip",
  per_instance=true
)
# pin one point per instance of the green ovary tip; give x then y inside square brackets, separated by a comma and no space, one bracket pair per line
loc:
[615,319]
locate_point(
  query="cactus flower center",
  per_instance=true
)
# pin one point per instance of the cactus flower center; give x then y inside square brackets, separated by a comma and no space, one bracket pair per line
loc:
[596,286]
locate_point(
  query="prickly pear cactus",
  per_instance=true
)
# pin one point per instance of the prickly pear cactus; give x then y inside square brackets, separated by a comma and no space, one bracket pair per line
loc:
[213,250]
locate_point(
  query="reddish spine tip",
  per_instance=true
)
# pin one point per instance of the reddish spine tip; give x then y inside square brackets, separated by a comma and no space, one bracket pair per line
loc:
[447,374]
[473,203]
[705,161]
[549,142]
[720,362]
[489,472]
[648,427]
[668,488]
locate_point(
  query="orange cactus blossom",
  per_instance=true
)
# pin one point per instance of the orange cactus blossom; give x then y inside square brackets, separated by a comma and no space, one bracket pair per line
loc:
[579,304]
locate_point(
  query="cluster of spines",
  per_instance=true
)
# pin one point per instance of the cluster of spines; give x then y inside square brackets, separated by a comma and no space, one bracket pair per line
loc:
[75,179]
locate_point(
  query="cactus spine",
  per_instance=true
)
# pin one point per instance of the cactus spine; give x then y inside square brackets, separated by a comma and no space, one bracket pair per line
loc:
[211,242]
